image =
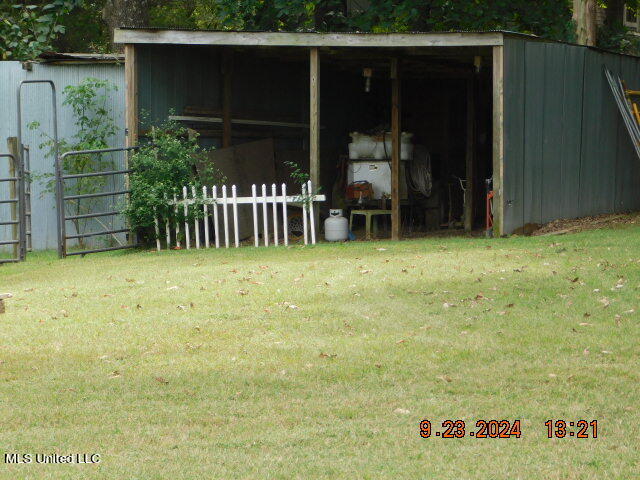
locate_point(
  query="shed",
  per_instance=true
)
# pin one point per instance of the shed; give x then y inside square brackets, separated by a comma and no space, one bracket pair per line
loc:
[535,116]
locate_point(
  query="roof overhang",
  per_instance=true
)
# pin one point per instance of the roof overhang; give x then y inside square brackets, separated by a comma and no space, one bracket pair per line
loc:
[298,39]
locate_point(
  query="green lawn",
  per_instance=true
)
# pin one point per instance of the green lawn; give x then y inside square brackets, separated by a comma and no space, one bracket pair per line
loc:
[321,362]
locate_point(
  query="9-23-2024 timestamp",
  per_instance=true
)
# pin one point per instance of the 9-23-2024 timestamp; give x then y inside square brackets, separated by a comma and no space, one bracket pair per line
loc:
[507,429]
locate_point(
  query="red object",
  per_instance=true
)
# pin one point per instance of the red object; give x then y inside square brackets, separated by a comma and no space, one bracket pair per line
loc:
[490,196]
[360,190]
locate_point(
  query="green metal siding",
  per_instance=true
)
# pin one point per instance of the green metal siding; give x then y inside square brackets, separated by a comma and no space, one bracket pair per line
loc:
[567,152]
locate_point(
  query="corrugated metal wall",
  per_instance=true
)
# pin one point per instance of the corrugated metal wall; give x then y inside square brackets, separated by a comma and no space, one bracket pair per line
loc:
[567,153]
[172,77]
[36,100]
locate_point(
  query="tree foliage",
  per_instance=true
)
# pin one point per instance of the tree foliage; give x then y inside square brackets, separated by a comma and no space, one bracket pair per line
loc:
[95,129]
[27,30]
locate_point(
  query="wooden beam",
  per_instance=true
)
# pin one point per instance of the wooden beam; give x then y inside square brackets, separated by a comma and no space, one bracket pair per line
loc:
[396,142]
[227,85]
[498,140]
[470,156]
[287,39]
[131,96]
[239,121]
[314,117]
[314,124]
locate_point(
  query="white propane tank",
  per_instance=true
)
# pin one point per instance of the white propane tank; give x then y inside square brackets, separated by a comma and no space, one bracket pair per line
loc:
[336,227]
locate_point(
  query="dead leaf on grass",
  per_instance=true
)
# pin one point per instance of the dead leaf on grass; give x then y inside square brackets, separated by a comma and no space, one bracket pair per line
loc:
[162,380]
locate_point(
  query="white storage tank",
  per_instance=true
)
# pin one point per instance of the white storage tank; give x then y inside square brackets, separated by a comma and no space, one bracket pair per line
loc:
[336,227]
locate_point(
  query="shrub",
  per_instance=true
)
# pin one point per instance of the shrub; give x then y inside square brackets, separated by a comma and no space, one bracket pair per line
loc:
[161,168]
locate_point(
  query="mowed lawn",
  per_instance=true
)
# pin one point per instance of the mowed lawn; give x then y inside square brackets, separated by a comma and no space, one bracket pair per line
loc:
[321,362]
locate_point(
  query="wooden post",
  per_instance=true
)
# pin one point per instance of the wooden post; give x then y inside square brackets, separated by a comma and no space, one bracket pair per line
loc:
[12,145]
[470,157]
[131,98]
[227,85]
[314,124]
[396,130]
[498,140]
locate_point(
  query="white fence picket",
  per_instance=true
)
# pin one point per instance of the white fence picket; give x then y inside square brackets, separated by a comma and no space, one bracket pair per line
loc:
[175,211]
[196,220]
[312,219]
[214,195]
[304,214]
[187,240]
[225,216]
[285,217]
[305,201]
[236,233]
[254,203]
[274,202]
[265,216]
[156,225]
[205,209]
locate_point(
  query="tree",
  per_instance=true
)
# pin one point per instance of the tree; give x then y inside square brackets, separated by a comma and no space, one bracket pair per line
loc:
[126,13]
[26,31]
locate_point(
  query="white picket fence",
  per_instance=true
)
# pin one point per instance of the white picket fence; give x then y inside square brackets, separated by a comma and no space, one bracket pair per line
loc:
[210,202]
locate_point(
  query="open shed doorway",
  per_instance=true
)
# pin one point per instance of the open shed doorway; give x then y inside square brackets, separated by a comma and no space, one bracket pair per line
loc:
[446,120]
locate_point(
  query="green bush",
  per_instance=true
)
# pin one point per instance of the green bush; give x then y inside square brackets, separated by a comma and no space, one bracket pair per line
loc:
[161,168]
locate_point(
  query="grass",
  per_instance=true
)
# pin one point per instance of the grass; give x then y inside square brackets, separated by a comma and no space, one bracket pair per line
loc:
[321,362]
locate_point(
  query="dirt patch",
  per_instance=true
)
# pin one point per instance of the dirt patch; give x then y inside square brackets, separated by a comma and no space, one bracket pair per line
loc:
[561,227]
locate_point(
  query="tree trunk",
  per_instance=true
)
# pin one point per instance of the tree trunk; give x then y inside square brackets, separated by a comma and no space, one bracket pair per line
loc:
[125,13]
[584,16]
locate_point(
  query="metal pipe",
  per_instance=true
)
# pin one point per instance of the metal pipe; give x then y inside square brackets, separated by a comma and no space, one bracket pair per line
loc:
[96,234]
[97,195]
[93,215]
[96,174]
[56,151]
[98,250]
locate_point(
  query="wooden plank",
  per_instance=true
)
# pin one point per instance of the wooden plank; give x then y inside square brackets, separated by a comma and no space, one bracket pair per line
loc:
[131,96]
[239,121]
[396,130]
[284,39]
[470,155]
[227,85]
[314,122]
[498,139]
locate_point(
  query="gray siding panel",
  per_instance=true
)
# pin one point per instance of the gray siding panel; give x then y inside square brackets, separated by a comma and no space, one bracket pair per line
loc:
[577,156]
[514,116]
[36,100]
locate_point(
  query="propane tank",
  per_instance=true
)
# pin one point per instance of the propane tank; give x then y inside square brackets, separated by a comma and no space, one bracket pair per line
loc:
[336,227]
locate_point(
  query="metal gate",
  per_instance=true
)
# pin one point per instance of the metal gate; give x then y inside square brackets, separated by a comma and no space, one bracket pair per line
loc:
[62,201]
[17,217]
[24,168]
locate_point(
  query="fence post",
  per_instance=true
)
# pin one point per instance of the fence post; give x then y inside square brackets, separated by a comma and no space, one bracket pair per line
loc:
[254,203]
[285,219]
